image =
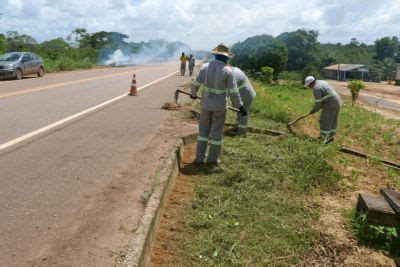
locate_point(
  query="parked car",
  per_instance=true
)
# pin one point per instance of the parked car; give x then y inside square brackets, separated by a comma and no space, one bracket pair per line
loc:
[17,64]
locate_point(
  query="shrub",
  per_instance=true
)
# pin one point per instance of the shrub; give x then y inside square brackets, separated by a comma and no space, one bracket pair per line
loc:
[355,87]
[309,70]
[267,74]
[290,75]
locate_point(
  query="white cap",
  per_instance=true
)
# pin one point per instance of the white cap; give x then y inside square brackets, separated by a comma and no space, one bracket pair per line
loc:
[308,80]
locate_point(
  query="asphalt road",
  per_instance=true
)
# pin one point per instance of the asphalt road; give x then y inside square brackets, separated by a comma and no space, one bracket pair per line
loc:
[386,101]
[46,178]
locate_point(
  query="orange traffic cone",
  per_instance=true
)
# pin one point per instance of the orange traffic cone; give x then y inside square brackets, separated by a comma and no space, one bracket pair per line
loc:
[133,86]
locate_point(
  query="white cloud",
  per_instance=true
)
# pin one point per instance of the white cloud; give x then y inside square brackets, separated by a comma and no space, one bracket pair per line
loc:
[205,23]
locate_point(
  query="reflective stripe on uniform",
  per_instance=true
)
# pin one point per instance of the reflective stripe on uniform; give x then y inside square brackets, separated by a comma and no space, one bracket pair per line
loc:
[203,139]
[215,90]
[216,143]
[242,86]
[328,132]
[243,126]
[325,97]
[195,83]
[233,90]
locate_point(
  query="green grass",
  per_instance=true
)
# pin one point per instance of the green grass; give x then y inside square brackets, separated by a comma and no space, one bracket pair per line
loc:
[254,208]
[65,64]
[260,206]
[358,128]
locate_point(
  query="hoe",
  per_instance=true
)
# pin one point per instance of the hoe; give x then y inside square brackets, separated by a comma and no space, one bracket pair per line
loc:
[177,92]
[288,126]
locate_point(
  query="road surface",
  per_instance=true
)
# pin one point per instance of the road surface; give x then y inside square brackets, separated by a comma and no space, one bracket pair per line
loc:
[380,96]
[56,154]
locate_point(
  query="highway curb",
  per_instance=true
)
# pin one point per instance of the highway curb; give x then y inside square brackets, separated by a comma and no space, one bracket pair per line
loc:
[139,251]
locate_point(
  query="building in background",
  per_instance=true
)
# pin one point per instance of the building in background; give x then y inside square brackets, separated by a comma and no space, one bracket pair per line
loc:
[397,79]
[343,72]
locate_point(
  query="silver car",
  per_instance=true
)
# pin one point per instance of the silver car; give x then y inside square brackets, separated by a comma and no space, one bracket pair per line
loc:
[17,64]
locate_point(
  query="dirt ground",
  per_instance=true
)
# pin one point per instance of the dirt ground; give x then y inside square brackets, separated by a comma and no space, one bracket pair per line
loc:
[100,233]
[333,222]
[378,89]
[167,246]
[332,225]
[375,92]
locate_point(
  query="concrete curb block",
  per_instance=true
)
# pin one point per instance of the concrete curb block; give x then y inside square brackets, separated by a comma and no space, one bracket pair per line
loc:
[140,247]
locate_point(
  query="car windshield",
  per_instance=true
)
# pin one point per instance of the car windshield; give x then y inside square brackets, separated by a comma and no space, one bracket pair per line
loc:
[10,57]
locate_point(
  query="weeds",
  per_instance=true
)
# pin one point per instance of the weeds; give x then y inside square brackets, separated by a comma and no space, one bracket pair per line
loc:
[254,210]
[379,237]
[258,208]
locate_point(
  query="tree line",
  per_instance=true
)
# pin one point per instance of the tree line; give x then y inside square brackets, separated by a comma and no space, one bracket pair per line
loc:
[82,49]
[300,52]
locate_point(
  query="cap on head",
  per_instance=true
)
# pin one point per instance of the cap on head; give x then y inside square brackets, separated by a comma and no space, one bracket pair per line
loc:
[223,50]
[309,80]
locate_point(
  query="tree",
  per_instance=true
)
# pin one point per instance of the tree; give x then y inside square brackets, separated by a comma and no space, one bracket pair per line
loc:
[302,48]
[354,42]
[54,49]
[386,47]
[309,70]
[355,87]
[17,42]
[78,37]
[2,44]
[260,51]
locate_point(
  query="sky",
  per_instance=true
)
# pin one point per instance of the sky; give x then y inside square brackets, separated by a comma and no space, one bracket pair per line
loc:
[203,24]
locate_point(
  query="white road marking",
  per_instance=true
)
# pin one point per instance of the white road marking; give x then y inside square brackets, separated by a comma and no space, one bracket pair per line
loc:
[60,122]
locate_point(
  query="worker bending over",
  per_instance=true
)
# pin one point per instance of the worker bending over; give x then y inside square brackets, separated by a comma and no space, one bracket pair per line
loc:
[247,94]
[218,82]
[329,101]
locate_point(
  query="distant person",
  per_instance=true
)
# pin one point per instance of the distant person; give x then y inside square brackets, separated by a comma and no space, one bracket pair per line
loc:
[218,83]
[183,64]
[329,101]
[247,94]
[192,63]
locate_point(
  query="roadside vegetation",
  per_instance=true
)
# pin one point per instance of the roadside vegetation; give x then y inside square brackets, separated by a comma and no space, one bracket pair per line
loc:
[263,204]
[294,55]
[82,49]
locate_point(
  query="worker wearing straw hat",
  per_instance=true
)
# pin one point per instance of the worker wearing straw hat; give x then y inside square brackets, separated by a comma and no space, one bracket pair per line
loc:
[218,83]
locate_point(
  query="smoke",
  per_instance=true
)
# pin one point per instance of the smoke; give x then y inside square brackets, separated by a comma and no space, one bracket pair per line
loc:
[142,53]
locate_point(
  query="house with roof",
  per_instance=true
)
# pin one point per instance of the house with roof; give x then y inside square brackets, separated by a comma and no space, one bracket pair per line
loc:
[343,72]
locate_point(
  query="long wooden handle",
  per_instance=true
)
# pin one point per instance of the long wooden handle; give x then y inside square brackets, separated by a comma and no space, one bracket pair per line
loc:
[198,97]
[296,120]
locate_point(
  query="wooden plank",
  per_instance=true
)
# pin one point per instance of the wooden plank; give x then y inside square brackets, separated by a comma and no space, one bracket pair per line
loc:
[392,197]
[378,211]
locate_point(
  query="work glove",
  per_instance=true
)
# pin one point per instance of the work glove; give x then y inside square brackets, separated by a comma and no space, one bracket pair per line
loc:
[243,111]
[192,97]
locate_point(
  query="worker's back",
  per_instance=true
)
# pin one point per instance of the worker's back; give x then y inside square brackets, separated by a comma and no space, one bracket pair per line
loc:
[246,90]
[217,79]
[326,92]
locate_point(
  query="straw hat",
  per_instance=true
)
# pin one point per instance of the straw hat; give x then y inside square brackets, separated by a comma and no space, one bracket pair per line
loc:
[222,49]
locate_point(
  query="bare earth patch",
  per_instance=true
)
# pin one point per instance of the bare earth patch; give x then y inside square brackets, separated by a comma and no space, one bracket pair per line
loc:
[377,91]
[167,247]
[333,222]
[99,233]
[336,245]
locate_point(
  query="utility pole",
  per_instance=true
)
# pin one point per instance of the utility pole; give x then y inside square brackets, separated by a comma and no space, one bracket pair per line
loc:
[338,72]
